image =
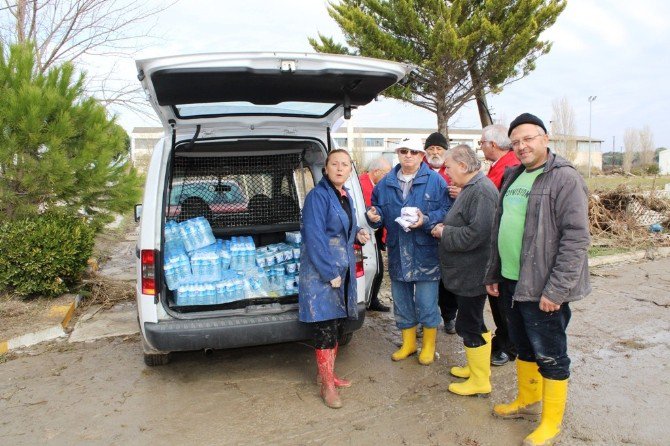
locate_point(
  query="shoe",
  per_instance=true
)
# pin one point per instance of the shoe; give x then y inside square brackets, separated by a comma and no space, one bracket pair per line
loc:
[450,326]
[376,305]
[554,396]
[479,382]
[325,361]
[528,403]
[427,355]
[408,344]
[499,358]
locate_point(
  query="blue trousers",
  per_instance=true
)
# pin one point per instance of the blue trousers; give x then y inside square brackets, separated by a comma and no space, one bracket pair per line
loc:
[414,303]
[539,336]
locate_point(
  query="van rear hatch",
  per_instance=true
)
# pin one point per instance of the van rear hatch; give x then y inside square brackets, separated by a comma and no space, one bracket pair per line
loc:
[211,89]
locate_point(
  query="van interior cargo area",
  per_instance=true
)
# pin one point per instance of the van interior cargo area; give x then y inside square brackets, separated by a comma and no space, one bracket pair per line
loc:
[244,189]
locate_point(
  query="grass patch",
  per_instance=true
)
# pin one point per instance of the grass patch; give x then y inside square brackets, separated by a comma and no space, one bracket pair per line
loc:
[609,182]
[599,251]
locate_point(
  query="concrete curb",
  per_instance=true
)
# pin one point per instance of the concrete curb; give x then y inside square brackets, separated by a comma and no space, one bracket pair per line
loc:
[47,334]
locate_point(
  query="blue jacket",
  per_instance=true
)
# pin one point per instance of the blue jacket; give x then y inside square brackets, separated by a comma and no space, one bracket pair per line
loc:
[326,252]
[413,255]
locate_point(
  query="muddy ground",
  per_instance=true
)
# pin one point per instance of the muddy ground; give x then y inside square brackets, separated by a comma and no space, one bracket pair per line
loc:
[102,393]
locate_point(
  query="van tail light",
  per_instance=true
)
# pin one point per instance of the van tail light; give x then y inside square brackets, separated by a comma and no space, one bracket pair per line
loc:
[358,253]
[148,257]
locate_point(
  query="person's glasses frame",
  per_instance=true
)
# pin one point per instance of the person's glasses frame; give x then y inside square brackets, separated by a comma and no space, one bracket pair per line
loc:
[525,140]
[482,142]
[406,151]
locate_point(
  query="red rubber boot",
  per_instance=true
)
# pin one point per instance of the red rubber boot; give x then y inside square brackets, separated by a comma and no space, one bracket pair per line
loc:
[325,361]
[339,382]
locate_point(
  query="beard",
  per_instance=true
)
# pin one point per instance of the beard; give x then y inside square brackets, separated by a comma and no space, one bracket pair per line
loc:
[435,161]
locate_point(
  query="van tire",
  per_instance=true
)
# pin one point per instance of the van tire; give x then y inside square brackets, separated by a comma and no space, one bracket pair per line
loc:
[154,359]
[345,339]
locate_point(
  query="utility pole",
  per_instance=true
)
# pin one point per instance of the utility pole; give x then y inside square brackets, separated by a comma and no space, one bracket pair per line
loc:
[591,99]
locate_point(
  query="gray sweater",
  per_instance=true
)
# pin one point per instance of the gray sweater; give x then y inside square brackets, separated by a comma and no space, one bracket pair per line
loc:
[464,247]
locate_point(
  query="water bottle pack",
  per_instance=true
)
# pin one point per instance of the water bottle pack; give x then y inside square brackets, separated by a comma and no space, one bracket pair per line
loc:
[203,270]
[196,233]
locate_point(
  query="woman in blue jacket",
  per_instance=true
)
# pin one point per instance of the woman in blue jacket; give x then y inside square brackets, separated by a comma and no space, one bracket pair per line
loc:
[412,251]
[327,293]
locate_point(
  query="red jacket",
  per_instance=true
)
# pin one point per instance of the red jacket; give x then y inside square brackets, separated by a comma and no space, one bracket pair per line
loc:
[442,172]
[498,169]
[367,186]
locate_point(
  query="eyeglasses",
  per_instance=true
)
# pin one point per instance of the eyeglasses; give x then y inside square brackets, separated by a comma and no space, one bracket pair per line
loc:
[526,140]
[406,151]
[482,142]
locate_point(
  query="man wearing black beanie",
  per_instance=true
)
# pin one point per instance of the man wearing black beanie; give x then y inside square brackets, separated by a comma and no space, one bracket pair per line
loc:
[538,266]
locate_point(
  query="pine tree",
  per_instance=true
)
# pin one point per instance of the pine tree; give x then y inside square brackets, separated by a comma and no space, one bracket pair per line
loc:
[462,48]
[58,148]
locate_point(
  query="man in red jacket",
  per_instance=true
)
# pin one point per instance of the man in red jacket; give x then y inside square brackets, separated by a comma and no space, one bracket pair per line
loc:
[377,168]
[497,148]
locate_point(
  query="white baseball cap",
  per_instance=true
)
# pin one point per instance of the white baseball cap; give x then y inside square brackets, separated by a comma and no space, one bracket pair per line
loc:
[409,143]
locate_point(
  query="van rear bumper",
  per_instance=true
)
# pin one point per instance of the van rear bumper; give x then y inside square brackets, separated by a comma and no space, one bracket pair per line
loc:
[235,331]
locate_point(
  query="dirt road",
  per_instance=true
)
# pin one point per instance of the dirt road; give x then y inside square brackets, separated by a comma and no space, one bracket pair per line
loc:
[101,393]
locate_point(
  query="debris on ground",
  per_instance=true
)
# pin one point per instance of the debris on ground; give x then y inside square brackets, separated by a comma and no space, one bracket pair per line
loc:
[623,216]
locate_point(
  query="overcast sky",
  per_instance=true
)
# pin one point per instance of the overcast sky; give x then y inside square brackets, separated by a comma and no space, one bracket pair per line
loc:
[616,50]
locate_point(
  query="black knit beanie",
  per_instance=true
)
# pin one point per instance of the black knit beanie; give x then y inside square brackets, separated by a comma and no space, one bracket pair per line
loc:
[525,118]
[436,139]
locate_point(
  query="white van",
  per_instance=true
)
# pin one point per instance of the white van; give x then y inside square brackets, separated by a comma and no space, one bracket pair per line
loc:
[246,136]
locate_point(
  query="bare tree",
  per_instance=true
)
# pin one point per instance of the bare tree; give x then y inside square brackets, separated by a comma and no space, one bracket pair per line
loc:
[563,128]
[74,30]
[631,142]
[646,138]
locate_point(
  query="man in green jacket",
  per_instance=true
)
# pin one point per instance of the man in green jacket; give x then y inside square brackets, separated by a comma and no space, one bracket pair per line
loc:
[538,265]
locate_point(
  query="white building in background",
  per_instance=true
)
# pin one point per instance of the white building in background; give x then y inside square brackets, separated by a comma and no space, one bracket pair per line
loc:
[371,142]
[664,162]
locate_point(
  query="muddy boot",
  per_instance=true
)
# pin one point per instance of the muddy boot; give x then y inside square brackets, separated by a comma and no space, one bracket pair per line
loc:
[479,363]
[427,355]
[376,305]
[464,372]
[528,402]
[339,382]
[325,361]
[408,344]
[554,396]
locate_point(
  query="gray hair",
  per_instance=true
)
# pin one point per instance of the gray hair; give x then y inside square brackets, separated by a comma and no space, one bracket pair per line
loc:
[498,134]
[378,163]
[464,154]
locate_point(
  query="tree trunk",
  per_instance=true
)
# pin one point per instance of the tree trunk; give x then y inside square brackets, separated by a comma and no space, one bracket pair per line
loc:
[483,108]
[442,118]
[21,21]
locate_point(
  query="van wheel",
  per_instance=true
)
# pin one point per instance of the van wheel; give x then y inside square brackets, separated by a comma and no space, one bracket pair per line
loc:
[345,339]
[153,359]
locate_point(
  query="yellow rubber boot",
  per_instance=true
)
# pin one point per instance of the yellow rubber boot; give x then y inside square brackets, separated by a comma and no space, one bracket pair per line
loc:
[479,382]
[408,344]
[528,402]
[554,396]
[464,372]
[427,355]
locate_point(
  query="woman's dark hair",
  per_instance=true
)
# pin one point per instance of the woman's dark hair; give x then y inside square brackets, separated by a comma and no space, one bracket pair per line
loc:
[332,152]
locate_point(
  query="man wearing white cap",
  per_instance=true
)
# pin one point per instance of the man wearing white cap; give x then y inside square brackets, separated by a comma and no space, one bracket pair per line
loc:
[409,202]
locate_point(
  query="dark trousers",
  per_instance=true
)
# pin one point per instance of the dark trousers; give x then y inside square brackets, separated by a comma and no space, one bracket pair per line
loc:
[470,320]
[377,281]
[326,333]
[501,340]
[539,336]
[447,302]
